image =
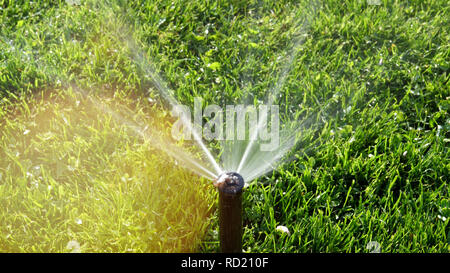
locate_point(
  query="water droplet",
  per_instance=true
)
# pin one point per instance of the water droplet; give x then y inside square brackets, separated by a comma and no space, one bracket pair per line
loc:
[283,229]
[74,246]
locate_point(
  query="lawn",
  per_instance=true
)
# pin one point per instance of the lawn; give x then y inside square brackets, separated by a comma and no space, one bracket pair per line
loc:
[81,100]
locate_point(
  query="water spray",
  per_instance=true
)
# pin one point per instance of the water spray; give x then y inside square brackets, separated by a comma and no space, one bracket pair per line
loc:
[230,185]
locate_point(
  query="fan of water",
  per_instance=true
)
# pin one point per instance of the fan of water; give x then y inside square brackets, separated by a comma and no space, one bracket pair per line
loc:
[254,138]
[258,149]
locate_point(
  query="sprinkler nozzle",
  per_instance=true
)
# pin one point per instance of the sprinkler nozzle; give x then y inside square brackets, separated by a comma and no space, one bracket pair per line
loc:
[230,187]
[229,182]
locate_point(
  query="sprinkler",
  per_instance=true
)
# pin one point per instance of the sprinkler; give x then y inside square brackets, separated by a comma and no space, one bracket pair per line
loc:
[230,187]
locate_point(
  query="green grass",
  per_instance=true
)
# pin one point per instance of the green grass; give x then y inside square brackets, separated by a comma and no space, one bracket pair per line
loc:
[372,165]
[70,172]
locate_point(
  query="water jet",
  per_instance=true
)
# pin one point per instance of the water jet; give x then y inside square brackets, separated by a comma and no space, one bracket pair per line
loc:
[230,186]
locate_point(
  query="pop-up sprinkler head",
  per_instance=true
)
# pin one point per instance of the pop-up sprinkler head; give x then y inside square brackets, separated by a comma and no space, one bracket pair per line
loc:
[230,187]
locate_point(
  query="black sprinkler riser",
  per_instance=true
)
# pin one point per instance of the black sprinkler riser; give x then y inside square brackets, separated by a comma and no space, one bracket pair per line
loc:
[230,187]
